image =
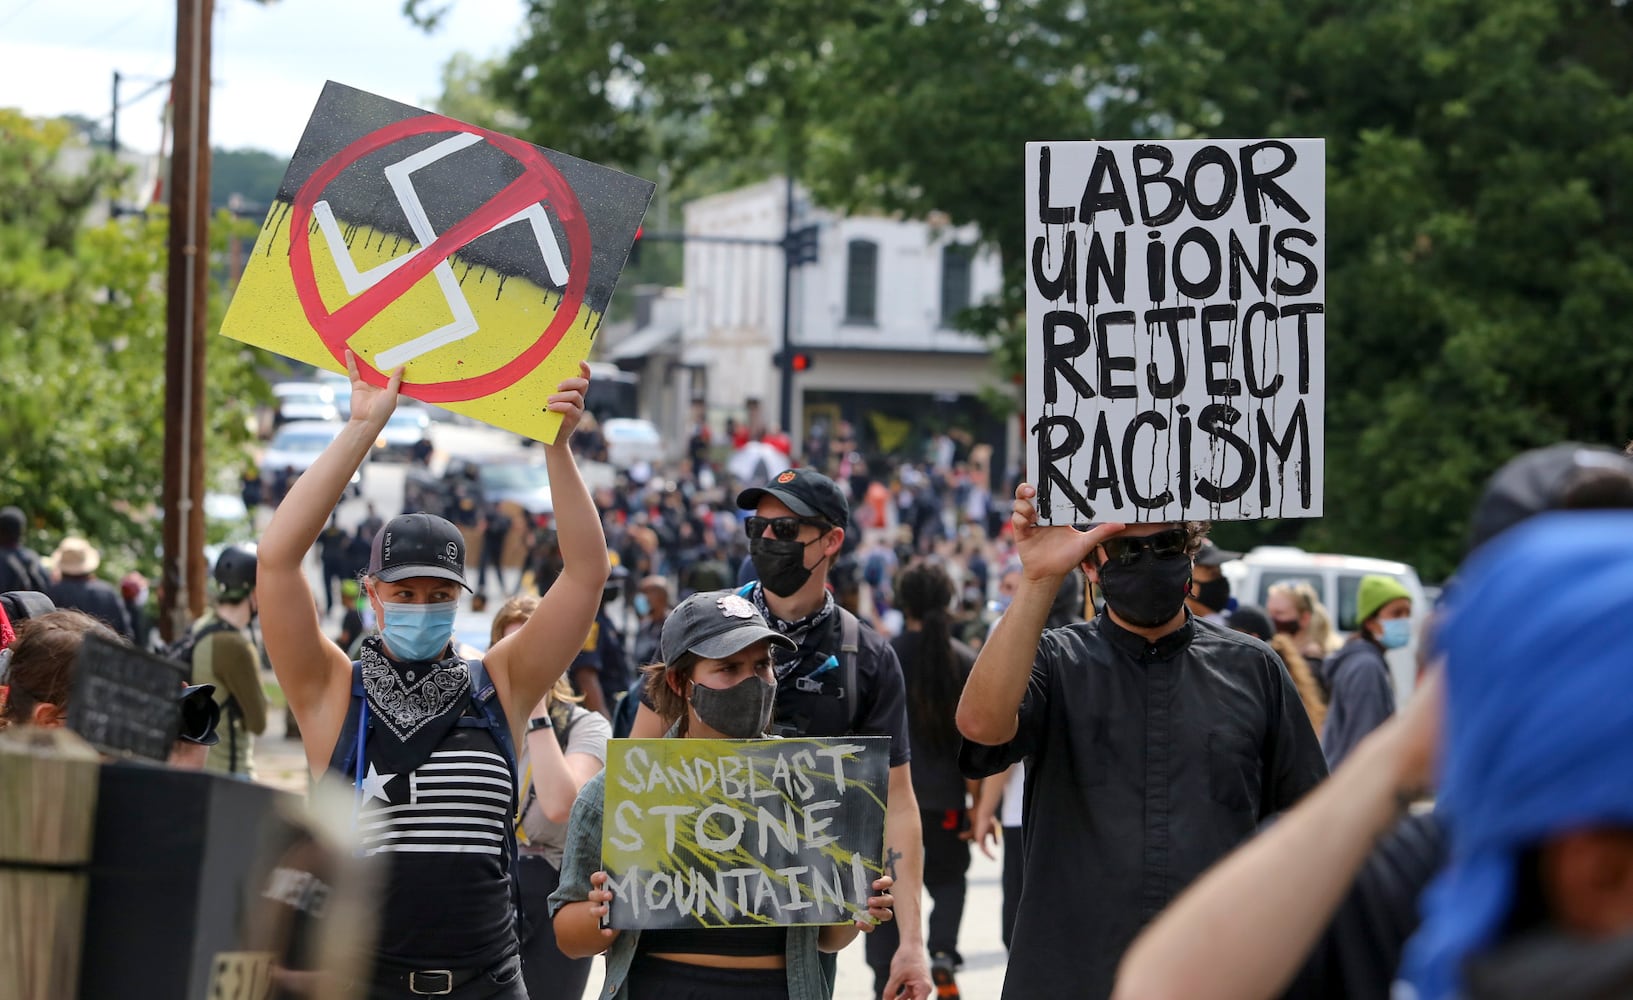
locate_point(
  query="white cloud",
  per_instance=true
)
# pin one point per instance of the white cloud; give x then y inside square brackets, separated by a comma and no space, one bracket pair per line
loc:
[269,62]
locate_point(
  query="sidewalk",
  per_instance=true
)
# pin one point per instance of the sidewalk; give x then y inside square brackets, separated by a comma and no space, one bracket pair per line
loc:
[282,763]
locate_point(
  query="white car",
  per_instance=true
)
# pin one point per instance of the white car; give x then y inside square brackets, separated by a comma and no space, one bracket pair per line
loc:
[403,432]
[1337,579]
[297,445]
[304,401]
[631,441]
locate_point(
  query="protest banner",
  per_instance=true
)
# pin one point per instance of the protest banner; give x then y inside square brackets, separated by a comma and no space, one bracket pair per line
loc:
[482,263]
[717,833]
[126,700]
[1175,319]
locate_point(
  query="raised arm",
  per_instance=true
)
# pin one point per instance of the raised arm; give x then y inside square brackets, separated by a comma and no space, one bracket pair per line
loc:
[527,664]
[988,710]
[314,673]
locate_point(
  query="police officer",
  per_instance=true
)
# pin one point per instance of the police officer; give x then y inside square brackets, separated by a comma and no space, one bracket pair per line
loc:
[600,672]
[841,679]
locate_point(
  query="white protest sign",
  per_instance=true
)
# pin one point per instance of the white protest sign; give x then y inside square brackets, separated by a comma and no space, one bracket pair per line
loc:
[1175,311]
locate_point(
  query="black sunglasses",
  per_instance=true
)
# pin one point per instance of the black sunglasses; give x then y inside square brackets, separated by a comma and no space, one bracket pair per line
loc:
[784,529]
[1163,545]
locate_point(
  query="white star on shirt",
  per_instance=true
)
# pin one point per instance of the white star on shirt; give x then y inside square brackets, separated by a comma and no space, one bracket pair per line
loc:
[374,786]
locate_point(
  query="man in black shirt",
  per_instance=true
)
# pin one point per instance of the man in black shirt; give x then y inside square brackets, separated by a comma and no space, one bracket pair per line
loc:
[1155,743]
[20,567]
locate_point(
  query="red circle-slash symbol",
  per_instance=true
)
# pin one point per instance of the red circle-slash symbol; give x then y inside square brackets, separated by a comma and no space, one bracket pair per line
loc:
[540,182]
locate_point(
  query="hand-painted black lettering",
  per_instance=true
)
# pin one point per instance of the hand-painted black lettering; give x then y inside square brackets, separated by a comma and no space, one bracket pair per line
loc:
[1218,353]
[1216,421]
[1298,432]
[1167,319]
[1062,285]
[1163,157]
[1209,285]
[1111,364]
[1156,268]
[1239,262]
[1113,272]
[1058,355]
[1303,310]
[1267,311]
[1303,285]
[1050,452]
[1184,453]
[1103,464]
[1257,184]
[1048,214]
[1096,200]
[1210,156]
[1158,423]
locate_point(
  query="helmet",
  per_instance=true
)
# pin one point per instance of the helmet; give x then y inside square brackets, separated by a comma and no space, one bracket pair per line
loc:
[234,573]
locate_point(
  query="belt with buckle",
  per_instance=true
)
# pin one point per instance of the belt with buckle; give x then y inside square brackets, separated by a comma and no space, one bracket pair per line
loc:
[432,982]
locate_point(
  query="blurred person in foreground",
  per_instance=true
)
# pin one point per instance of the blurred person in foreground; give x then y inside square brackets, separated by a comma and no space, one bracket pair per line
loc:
[1155,743]
[1322,903]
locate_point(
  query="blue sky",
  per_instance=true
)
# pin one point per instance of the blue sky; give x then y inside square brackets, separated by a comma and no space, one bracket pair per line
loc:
[269,64]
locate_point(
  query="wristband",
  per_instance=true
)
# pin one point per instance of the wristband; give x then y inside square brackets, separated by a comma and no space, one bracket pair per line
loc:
[541,722]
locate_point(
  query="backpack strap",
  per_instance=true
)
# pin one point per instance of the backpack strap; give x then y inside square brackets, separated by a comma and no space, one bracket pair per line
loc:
[850,643]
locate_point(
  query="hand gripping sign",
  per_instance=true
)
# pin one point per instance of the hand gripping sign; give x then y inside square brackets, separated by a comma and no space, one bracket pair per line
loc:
[481,262]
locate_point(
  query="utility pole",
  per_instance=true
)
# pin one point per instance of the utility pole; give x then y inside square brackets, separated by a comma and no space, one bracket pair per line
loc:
[182,592]
[113,120]
[785,357]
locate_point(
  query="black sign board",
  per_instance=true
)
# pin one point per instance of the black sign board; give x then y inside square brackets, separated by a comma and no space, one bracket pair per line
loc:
[125,700]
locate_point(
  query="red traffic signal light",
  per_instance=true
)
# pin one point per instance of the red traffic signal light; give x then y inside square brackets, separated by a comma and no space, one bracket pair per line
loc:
[800,361]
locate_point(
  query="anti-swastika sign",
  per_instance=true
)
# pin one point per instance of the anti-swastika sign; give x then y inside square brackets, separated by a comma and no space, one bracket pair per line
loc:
[480,262]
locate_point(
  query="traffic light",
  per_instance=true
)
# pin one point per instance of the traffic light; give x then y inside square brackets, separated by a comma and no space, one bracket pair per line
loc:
[796,361]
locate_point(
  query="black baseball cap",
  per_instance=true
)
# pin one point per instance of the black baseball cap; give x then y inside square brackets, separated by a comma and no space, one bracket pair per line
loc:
[1567,476]
[21,605]
[1212,555]
[715,624]
[807,493]
[421,544]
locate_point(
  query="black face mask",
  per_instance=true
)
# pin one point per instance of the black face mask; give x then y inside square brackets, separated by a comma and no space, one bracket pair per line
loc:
[780,564]
[1213,594]
[1148,591]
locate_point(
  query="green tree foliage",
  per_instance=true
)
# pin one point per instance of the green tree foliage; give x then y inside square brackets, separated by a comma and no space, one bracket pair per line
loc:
[82,349]
[252,175]
[1480,251]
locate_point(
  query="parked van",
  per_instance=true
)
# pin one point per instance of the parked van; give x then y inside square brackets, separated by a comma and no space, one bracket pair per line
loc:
[1338,580]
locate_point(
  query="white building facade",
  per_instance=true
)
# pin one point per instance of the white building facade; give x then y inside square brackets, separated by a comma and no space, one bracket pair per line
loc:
[873,316]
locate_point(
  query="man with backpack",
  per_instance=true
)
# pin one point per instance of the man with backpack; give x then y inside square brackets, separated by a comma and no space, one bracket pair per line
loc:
[218,651]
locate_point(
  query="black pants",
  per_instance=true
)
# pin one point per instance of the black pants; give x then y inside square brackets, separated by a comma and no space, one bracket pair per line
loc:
[549,974]
[659,979]
[946,862]
[1012,880]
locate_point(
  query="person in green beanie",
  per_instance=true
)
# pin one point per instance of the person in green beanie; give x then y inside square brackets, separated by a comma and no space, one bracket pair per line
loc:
[1360,693]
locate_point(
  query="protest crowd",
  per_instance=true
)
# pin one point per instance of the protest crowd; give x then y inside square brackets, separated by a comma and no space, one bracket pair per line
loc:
[710,729]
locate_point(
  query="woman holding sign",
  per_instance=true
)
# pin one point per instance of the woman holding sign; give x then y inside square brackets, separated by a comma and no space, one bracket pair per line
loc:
[717,681]
[427,739]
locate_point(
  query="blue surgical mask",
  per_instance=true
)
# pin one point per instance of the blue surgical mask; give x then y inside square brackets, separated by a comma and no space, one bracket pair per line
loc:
[418,631]
[1397,633]
[643,607]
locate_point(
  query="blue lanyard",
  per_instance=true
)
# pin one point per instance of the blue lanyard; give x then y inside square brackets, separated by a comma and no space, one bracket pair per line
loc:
[362,731]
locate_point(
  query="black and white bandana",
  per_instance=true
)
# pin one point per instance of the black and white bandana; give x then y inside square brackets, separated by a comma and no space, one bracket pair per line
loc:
[808,632]
[414,704]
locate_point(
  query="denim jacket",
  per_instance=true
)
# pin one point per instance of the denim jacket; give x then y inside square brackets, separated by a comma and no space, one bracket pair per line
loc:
[810,977]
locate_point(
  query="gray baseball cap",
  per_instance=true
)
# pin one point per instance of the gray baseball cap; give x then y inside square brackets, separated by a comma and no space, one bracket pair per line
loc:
[715,624]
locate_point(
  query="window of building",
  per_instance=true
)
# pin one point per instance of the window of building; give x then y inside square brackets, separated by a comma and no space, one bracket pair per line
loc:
[861,281]
[955,281]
